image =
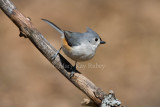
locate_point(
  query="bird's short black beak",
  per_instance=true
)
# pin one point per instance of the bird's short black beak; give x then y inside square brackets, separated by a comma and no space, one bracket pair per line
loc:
[102,42]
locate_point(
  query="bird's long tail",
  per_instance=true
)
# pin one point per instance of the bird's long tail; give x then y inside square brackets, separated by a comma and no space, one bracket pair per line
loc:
[54,26]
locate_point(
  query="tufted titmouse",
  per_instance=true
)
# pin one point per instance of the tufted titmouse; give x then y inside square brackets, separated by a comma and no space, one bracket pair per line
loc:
[78,46]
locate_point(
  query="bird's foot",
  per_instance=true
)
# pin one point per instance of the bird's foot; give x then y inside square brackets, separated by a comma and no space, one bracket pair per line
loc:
[55,55]
[73,72]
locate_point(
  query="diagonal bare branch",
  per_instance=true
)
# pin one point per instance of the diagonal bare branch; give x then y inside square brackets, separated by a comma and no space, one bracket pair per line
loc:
[27,30]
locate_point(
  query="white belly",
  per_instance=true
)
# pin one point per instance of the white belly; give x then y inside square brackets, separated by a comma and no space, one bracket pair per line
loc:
[80,53]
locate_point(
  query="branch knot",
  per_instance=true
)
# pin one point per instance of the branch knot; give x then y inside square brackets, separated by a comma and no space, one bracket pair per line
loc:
[110,100]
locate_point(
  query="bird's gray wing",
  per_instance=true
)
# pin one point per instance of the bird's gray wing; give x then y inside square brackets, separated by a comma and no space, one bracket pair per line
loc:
[73,38]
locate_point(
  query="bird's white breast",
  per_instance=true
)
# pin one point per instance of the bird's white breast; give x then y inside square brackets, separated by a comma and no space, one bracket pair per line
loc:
[82,52]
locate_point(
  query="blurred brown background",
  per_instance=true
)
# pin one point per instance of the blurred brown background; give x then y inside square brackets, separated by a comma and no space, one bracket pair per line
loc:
[131,57]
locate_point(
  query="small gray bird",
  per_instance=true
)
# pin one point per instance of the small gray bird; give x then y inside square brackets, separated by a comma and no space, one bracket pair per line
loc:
[78,46]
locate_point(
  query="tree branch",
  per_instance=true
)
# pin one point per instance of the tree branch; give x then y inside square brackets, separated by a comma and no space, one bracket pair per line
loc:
[27,30]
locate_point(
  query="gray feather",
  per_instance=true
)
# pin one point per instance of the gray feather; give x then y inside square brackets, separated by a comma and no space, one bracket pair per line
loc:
[73,38]
[54,26]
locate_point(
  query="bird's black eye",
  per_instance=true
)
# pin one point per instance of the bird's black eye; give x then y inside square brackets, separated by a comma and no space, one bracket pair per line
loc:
[96,39]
